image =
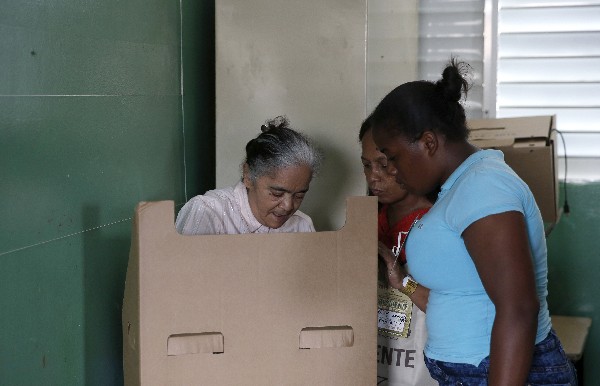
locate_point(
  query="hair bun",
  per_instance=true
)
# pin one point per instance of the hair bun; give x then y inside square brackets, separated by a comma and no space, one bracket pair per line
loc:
[453,82]
[280,122]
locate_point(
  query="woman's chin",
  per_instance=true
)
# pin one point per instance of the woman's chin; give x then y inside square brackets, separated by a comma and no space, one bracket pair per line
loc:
[275,221]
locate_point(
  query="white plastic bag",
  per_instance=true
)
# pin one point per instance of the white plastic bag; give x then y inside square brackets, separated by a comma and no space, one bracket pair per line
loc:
[400,341]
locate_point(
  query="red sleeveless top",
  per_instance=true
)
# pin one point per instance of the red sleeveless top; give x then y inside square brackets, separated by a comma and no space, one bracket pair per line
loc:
[389,234]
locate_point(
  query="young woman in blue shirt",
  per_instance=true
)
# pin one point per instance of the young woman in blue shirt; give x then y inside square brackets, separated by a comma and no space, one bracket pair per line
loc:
[478,258]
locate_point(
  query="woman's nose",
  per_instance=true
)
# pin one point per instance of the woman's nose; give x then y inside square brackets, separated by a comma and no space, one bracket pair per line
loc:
[286,203]
[374,175]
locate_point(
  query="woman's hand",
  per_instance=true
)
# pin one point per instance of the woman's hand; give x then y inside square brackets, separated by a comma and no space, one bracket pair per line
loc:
[395,272]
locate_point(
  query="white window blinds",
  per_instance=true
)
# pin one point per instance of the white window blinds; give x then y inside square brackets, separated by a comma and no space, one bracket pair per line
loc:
[453,28]
[548,62]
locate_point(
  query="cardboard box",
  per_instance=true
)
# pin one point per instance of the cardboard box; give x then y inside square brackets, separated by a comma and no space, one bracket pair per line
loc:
[529,147]
[252,309]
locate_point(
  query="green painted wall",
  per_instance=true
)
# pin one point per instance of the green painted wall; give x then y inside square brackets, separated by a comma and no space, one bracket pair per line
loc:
[574,268]
[92,121]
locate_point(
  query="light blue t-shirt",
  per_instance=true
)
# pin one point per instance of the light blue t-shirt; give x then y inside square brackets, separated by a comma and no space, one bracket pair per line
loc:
[460,314]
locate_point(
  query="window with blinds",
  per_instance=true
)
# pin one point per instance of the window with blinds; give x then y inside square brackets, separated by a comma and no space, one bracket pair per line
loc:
[548,63]
[453,28]
[528,57]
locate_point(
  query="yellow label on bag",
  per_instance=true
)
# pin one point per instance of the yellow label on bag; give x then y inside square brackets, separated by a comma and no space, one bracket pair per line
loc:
[394,311]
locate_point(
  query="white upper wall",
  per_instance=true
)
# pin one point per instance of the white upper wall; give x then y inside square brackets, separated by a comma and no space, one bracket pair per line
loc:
[392,47]
[307,60]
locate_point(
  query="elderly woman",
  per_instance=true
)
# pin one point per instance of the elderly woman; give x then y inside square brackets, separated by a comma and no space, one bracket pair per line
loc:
[279,166]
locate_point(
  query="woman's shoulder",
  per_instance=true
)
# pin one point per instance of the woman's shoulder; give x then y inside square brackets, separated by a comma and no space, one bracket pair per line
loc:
[302,216]
[214,197]
[300,222]
[490,178]
[227,193]
[204,214]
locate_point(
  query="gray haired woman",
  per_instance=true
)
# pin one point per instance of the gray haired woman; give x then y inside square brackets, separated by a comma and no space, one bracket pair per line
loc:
[279,166]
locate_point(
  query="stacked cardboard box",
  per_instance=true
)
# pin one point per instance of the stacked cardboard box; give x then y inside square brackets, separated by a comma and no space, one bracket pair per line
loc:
[529,147]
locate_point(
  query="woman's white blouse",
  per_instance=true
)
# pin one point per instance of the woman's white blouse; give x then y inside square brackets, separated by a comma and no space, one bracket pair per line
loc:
[227,211]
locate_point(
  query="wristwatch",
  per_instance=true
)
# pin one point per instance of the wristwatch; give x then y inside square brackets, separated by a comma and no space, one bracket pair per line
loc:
[409,285]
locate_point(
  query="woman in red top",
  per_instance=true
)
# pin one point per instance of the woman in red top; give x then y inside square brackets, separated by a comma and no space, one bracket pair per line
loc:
[401,326]
[398,208]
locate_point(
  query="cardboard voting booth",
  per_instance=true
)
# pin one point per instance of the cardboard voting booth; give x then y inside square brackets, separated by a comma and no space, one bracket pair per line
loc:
[529,147]
[252,309]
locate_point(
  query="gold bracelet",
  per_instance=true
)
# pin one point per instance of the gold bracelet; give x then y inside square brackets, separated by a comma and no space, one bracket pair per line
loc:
[409,285]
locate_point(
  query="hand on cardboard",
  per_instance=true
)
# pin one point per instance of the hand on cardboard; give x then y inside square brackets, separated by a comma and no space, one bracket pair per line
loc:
[395,271]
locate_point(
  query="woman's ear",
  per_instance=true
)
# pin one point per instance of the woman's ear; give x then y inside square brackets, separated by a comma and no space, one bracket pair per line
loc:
[246,175]
[430,142]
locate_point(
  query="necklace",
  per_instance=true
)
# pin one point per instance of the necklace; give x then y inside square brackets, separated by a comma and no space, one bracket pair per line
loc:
[398,247]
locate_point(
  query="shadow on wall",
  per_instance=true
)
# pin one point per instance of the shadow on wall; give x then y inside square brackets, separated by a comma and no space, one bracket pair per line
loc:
[326,190]
[105,257]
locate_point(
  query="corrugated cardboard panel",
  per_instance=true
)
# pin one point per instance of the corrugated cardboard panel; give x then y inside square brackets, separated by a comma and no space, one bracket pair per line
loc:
[260,292]
[506,131]
[528,144]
